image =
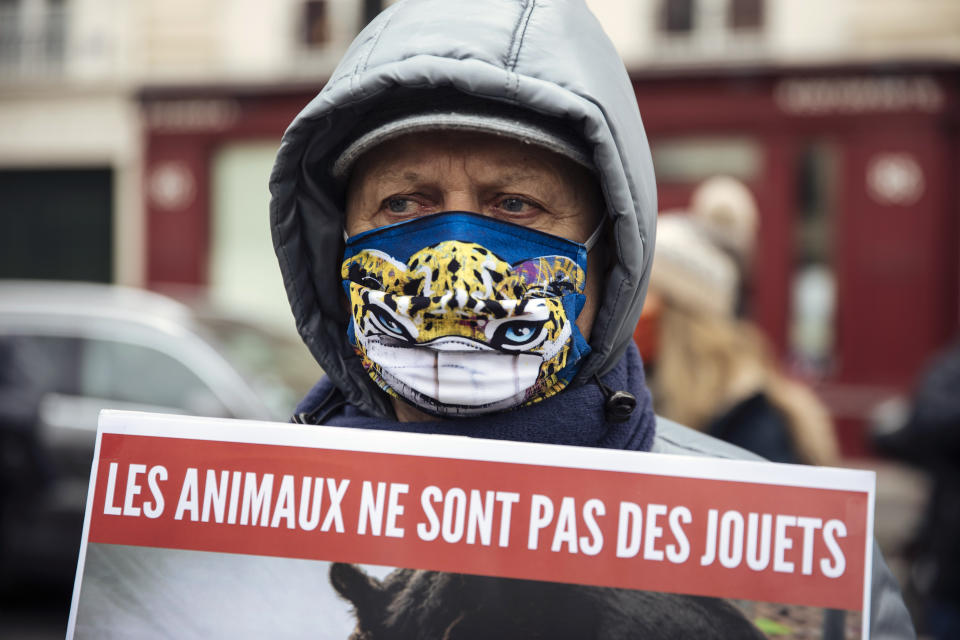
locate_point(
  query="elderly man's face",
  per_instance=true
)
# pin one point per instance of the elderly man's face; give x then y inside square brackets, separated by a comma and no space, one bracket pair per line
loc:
[420,174]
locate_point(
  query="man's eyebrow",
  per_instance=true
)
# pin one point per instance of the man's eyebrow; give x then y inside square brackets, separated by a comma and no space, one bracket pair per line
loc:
[403,175]
[511,177]
[533,183]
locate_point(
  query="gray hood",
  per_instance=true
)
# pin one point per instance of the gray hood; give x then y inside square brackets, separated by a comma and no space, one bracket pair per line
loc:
[551,57]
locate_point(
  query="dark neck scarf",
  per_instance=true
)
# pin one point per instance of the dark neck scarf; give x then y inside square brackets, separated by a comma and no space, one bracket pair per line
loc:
[574,416]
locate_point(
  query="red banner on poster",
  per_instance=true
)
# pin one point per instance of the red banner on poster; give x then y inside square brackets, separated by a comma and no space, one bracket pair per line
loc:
[673,533]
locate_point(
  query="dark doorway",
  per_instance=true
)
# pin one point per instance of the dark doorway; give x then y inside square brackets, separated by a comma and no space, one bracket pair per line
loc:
[56,224]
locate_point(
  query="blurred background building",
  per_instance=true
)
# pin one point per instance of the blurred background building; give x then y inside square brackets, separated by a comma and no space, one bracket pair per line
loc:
[136,140]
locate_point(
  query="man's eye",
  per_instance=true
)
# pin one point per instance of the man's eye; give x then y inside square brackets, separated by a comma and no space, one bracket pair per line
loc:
[515,205]
[399,205]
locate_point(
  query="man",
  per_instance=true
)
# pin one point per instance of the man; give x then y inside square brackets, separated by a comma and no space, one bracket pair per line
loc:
[510,314]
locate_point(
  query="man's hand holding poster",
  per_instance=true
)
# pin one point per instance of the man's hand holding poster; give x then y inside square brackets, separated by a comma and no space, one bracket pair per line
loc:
[202,527]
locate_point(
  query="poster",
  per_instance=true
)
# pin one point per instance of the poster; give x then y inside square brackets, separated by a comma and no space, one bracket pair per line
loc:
[200,527]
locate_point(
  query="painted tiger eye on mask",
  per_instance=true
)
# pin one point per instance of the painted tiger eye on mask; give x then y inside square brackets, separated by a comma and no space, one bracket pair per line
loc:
[462,314]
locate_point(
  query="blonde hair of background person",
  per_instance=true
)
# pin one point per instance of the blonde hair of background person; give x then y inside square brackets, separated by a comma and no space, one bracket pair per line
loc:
[707,361]
[706,365]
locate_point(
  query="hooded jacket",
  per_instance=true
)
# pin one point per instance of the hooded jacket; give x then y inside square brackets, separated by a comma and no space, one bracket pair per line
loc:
[550,57]
[541,56]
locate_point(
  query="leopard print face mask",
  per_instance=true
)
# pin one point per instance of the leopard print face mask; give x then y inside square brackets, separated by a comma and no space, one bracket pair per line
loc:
[461,314]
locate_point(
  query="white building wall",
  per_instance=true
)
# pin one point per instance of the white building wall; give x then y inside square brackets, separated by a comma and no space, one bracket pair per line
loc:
[795,32]
[45,128]
[236,41]
[810,30]
[907,29]
[100,41]
[630,25]
[254,38]
[85,113]
[262,41]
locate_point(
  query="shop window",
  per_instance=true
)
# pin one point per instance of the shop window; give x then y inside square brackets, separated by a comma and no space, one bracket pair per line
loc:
[243,270]
[10,31]
[699,28]
[745,15]
[56,224]
[676,16]
[813,288]
[371,8]
[690,160]
[32,37]
[316,23]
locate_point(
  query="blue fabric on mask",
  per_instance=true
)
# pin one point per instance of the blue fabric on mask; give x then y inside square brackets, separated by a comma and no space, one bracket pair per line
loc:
[447,307]
[512,242]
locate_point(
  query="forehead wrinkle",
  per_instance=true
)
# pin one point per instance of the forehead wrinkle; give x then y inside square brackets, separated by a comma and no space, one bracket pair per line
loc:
[509,178]
[404,169]
[508,171]
[437,155]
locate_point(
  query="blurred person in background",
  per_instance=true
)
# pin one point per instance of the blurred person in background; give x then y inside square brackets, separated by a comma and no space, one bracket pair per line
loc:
[25,471]
[726,212]
[930,440]
[713,371]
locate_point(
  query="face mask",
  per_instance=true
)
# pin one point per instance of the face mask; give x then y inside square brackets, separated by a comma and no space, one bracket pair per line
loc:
[461,314]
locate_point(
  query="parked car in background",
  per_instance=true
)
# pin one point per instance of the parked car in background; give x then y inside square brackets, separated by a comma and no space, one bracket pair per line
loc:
[68,350]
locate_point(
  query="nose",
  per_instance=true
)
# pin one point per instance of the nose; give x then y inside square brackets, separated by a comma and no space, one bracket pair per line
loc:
[461,200]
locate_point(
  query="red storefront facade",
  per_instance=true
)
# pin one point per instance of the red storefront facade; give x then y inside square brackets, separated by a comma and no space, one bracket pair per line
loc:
[892,141]
[853,167]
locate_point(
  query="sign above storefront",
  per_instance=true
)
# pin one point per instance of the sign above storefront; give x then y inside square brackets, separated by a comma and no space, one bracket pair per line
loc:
[857,95]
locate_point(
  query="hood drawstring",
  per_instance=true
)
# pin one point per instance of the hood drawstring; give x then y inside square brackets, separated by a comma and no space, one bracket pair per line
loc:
[618,405]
